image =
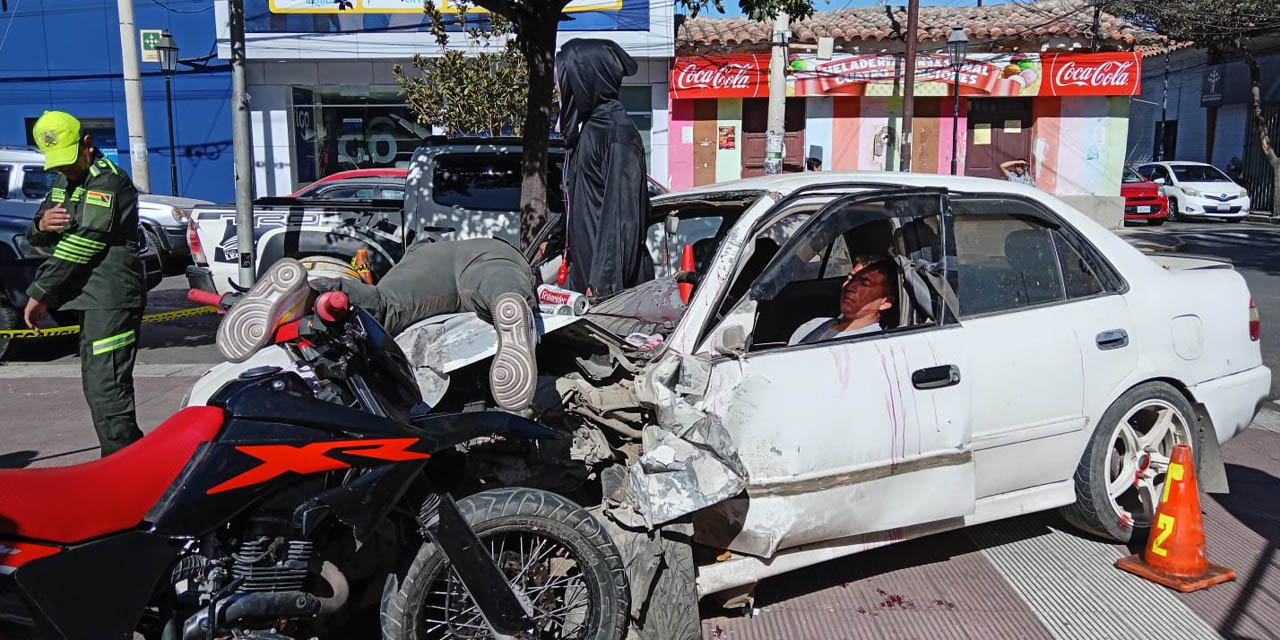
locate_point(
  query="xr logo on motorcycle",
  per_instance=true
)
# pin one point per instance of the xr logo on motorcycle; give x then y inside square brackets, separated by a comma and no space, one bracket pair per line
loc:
[278,459]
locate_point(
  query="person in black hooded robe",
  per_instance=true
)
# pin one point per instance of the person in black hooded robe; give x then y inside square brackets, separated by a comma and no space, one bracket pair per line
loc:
[606,189]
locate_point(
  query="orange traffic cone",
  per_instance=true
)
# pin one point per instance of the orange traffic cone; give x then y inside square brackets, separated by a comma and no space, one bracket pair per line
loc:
[686,264]
[1175,554]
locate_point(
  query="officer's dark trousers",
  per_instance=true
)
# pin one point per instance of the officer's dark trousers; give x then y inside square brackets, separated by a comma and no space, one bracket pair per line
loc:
[108,349]
[441,277]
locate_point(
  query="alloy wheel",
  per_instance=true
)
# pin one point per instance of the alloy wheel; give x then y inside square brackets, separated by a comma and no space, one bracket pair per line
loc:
[1139,458]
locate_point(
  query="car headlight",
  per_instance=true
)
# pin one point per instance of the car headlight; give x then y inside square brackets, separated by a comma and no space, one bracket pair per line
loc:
[181,215]
[1192,192]
[1243,193]
[25,249]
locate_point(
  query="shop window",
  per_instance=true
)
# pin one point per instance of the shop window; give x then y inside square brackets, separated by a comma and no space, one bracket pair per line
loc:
[638,102]
[335,132]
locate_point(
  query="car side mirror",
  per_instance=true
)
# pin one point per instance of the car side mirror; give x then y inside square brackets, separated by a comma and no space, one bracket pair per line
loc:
[732,340]
[1159,181]
[672,225]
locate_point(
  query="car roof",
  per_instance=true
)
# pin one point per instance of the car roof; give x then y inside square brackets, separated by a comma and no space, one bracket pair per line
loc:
[788,182]
[363,173]
[1185,163]
[13,153]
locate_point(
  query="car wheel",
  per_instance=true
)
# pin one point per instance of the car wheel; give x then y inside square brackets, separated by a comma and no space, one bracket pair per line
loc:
[1155,222]
[8,321]
[1173,210]
[1122,472]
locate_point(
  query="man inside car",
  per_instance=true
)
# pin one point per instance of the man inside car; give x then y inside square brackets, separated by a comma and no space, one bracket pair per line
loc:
[869,290]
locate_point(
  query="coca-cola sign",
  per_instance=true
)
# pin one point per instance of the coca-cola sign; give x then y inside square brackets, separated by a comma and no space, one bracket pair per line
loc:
[729,76]
[1092,74]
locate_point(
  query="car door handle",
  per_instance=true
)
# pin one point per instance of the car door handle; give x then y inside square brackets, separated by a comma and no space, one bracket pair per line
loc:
[1113,339]
[936,377]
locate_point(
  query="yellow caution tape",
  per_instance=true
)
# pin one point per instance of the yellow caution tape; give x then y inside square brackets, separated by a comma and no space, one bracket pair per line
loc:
[75,328]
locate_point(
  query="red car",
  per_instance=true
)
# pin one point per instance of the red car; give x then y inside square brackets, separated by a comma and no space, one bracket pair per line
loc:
[1143,199]
[357,184]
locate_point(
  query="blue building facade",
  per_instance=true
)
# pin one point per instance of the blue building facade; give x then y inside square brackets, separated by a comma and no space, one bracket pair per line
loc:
[65,55]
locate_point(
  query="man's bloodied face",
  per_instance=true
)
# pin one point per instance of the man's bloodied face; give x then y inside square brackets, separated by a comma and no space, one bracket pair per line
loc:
[864,293]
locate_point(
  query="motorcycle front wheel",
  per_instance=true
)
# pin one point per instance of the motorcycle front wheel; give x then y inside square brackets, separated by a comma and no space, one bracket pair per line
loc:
[562,563]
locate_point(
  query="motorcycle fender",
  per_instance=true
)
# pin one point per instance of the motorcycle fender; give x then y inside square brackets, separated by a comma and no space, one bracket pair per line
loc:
[451,429]
[95,590]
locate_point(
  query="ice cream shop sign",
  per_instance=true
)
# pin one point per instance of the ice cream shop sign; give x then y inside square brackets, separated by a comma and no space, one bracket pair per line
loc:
[983,74]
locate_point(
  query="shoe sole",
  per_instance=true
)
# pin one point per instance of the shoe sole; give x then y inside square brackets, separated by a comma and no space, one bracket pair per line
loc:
[249,325]
[513,376]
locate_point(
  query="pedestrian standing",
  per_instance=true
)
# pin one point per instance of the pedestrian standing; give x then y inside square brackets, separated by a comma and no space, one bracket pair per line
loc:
[1018,171]
[602,234]
[89,224]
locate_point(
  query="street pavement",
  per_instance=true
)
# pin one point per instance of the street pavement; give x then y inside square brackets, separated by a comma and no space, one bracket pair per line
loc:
[1027,577]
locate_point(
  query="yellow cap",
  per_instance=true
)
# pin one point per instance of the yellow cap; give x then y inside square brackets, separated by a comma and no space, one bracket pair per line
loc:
[57,134]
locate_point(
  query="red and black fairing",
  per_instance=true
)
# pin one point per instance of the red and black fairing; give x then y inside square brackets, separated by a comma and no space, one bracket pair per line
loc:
[87,547]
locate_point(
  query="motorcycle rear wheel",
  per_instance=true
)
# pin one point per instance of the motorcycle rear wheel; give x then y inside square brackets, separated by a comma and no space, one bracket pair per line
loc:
[562,562]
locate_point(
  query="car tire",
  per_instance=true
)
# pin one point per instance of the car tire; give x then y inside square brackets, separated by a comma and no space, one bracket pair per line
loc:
[9,320]
[1142,407]
[672,608]
[1155,222]
[1173,210]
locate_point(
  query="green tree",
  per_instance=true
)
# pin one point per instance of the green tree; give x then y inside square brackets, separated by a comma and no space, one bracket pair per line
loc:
[1230,27]
[534,24]
[483,93]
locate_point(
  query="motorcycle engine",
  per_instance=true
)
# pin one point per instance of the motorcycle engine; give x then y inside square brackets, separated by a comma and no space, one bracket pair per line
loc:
[271,565]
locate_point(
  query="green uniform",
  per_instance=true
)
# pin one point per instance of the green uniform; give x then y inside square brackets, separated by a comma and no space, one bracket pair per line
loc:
[94,269]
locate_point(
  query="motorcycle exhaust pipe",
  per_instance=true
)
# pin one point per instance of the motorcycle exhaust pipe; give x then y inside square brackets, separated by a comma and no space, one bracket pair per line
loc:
[250,609]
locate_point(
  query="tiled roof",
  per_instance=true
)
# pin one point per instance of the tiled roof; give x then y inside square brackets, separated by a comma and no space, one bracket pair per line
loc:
[1021,21]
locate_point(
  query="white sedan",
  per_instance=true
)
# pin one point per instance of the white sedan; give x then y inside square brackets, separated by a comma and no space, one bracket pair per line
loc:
[1021,358]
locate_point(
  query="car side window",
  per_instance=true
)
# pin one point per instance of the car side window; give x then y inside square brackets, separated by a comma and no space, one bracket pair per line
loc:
[1005,261]
[392,193]
[837,262]
[4,182]
[1082,280]
[347,193]
[36,182]
[1146,170]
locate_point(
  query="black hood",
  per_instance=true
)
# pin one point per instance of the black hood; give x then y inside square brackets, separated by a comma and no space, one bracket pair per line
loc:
[589,73]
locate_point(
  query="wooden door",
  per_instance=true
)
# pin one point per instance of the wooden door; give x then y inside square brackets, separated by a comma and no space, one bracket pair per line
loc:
[755,127]
[999,130]
[704,141]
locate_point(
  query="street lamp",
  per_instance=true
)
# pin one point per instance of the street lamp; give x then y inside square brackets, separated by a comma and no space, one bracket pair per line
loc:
[957,42]
[168,50]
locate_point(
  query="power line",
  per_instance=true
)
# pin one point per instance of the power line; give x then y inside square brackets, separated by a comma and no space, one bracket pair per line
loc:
[172,10]
[10,26]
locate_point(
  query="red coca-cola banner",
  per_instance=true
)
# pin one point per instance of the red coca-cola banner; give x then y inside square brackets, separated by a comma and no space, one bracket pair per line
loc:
[1091,74]
[720,76]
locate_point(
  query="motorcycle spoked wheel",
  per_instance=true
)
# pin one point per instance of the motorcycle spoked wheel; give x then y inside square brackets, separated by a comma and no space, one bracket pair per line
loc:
[562,562]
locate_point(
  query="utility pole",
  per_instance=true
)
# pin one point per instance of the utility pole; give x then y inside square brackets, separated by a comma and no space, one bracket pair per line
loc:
[141,171]
[774,145]
[241,140]
[909,86]
[1164,113]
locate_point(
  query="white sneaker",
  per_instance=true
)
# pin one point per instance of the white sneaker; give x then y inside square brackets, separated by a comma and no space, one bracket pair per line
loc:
[276,298]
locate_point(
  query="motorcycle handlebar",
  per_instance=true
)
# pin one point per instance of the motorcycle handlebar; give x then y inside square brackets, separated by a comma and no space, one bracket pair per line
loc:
[200,296]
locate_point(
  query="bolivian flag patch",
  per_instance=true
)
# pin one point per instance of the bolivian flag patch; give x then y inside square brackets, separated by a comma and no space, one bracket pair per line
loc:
[99,198]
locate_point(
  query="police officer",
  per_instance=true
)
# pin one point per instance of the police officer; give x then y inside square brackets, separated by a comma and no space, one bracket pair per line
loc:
[89,224]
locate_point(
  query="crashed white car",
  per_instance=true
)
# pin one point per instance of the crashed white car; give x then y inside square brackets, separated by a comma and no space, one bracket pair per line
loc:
[1033,360]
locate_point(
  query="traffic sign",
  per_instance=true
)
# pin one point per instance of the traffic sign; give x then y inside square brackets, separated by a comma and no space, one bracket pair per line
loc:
[150,38]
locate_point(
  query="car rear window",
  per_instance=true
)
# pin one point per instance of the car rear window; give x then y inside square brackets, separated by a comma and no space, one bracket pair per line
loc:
[1198,173]
[488,182]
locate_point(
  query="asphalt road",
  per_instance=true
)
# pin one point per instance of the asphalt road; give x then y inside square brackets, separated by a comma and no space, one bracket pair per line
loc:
[1253,249]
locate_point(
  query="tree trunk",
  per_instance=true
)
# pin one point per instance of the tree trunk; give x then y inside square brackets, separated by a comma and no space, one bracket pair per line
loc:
[1260,123]
[538,43]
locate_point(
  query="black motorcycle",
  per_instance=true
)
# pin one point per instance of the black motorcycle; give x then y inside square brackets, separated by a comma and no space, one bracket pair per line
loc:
[303,504]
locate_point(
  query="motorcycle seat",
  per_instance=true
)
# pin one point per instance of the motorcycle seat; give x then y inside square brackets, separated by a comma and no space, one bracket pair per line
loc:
[84,501]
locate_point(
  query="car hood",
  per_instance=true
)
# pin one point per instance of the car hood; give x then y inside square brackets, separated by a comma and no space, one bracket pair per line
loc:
[1229,188]
[179,202]
[1134,189]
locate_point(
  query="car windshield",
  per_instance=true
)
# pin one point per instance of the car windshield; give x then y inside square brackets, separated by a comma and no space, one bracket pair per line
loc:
[489,182]
[1132,176]
[37,182]
[1198,173]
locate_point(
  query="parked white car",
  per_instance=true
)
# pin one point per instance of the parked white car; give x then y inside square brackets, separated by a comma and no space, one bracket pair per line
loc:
[1196,189]
[24,183]
[1033,360]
